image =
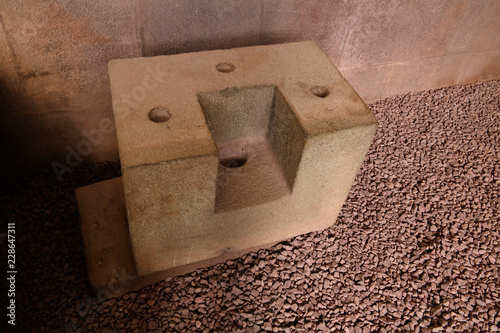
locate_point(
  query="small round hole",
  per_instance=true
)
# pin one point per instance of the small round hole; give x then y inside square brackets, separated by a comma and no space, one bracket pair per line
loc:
[159,114]
[320,91]
[233,158]
[234,162]
[225,67]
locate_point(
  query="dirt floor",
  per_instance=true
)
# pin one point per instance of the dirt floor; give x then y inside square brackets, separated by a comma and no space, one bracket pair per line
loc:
[416,247]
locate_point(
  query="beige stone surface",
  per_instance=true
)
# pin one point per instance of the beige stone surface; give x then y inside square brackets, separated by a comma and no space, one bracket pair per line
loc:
[110,265]
[106,240]
[285,107]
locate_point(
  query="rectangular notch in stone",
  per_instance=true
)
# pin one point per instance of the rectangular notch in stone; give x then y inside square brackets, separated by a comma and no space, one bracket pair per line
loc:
[259,140]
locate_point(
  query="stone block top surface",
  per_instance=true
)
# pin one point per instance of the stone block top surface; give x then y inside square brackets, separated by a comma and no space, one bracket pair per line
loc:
[159,118]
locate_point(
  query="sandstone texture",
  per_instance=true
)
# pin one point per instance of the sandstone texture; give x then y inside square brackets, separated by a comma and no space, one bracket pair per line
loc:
[228,150]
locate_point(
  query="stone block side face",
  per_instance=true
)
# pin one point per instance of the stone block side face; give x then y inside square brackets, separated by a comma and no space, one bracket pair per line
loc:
[327,169]
[329,165]
[287,137]
[105,233]
[187,229]
[167,205]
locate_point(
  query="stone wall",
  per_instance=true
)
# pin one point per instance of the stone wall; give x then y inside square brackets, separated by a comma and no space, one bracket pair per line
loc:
[54,89]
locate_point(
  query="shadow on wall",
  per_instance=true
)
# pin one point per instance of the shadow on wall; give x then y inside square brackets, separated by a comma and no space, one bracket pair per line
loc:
[9,148]
[61,118]
[62,138]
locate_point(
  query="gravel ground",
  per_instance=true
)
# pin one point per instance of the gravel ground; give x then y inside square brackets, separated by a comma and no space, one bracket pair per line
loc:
[416,247]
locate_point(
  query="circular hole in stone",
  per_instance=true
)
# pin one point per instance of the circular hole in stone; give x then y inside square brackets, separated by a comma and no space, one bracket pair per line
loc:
[232,163]
[159,114]
[234,159]
[225,67]
[320,91]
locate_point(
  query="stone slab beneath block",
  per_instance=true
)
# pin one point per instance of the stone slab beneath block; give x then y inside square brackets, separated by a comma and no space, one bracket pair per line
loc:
[106,238]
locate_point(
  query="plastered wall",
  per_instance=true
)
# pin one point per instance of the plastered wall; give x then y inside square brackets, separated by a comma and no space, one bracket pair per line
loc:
[55,102]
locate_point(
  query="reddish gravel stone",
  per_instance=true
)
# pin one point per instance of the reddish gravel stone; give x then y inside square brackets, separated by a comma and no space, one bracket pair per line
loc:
[416,247]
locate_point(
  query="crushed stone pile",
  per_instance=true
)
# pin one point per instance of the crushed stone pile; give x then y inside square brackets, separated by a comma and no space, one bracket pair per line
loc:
[416,247]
